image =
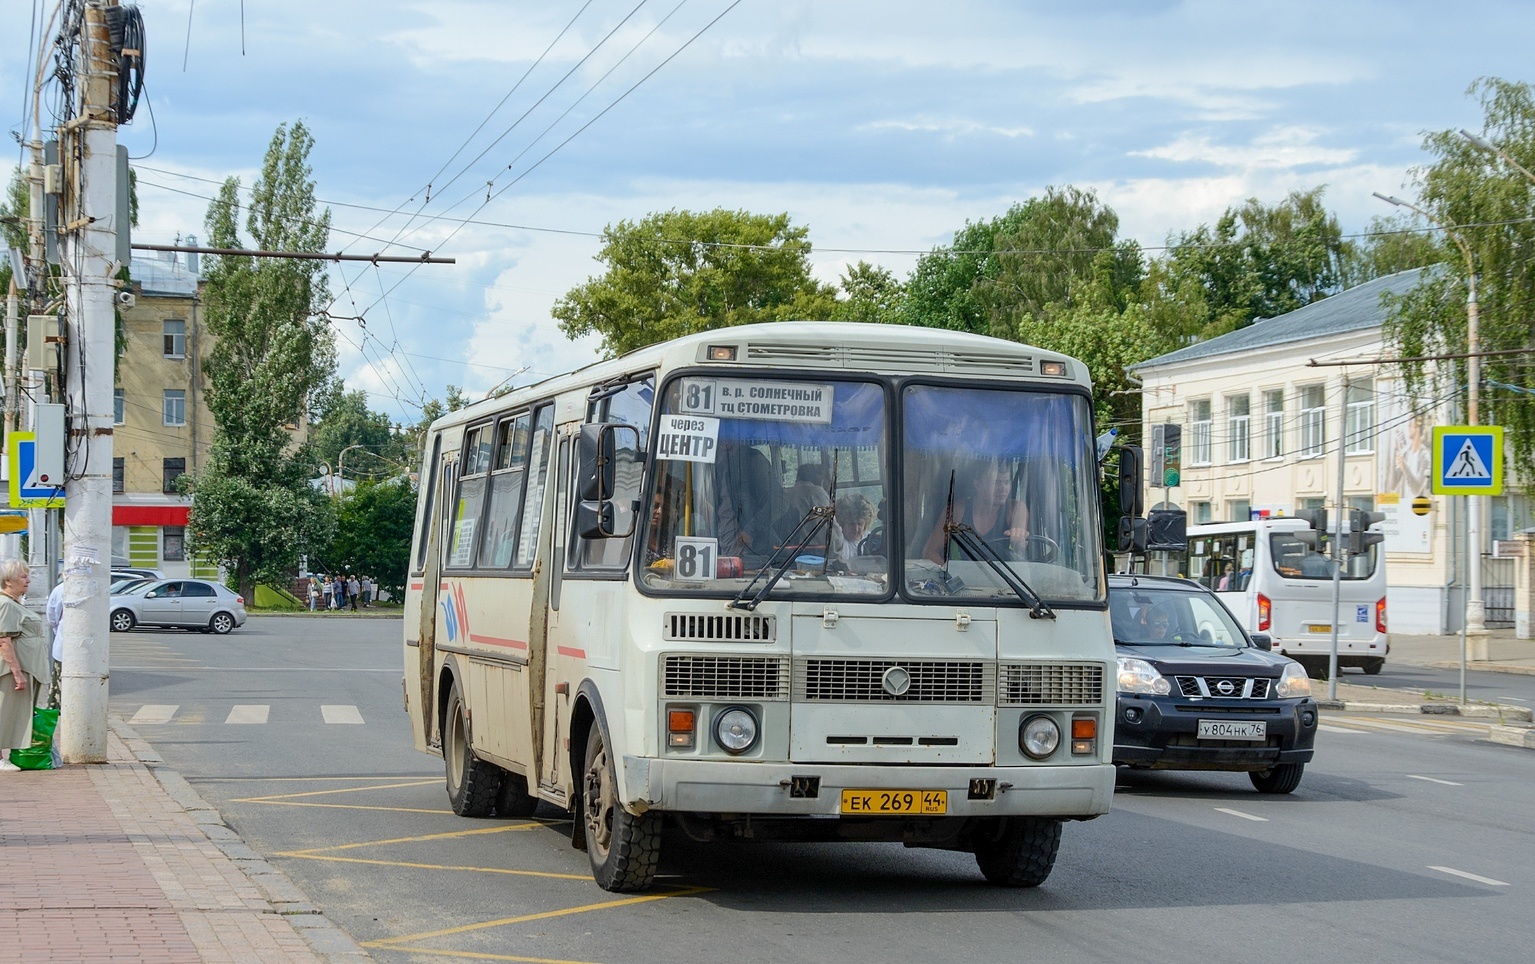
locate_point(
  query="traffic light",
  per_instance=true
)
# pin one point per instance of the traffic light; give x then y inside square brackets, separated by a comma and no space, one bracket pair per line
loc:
[1359,536]
[1317,520]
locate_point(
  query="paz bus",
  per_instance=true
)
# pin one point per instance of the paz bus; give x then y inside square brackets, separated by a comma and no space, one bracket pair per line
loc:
[1275,575]
[806,580]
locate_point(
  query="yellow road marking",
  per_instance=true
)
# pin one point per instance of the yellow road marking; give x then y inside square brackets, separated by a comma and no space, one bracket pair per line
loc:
[478,955]
[424,837]
[543,915]
[320,793]
[407,863]
[342,806]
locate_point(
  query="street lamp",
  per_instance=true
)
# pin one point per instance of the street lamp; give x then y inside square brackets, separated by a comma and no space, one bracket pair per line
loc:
[1489,146]
[1476,610]
[341,468]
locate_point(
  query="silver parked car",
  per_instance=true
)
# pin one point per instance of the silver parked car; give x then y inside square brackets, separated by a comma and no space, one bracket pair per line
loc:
[190,603]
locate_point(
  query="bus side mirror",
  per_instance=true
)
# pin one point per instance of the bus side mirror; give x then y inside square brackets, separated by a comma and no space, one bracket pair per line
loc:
[1131,495]
[600,450]
[1263,641]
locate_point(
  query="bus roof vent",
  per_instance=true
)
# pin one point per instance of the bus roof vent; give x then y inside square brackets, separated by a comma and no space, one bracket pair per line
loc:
[892,358]
[990,362]
[818,355]
[720,627]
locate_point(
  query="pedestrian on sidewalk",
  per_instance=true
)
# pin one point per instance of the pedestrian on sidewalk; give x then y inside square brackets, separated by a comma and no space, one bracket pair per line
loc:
[367,592]
[353,590]
[330,593]
[25,655]
[55,616]
[314,593]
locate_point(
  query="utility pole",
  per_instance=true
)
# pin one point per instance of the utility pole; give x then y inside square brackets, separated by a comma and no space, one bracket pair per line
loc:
[88,154]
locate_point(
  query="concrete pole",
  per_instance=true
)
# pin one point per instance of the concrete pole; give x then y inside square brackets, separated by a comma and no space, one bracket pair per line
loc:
[10,544]
[1476,609]
[1339,527]
[91,236]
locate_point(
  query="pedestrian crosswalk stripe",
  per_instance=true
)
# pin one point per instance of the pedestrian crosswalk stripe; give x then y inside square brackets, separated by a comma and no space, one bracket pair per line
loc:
[341,714]
[154,713]
[245,713]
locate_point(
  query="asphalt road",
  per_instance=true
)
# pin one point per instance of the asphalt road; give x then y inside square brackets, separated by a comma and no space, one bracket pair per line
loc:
[1408,839]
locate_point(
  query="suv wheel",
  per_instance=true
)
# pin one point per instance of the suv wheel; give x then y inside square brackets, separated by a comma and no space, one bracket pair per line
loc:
[1283,778]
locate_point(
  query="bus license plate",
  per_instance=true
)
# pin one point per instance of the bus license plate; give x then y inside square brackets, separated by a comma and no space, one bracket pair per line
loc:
[1319,628]
[1222,730]
[895,802]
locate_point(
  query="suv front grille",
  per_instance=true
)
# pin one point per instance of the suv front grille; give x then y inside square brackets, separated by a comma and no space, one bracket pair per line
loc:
[1224,687]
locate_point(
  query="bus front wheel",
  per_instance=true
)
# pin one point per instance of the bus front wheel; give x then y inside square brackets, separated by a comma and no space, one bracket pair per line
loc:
[624,848]
[1018,851]
[472,783]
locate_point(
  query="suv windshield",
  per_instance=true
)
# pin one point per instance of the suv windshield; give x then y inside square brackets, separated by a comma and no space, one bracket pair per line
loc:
[1155,616]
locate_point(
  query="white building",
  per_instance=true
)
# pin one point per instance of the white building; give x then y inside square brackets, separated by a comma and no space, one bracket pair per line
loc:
[1260,429]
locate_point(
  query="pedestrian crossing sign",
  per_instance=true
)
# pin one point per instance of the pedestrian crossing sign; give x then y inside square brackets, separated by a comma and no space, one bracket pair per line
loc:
[1468,460]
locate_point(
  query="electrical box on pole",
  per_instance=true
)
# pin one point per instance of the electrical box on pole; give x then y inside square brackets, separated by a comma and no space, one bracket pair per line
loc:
[48,426]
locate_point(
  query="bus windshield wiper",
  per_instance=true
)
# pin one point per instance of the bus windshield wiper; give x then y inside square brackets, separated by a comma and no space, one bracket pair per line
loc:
[976,548]
[817,518]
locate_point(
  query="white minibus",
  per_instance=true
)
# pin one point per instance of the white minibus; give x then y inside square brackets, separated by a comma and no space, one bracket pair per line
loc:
[1276,574]
[806,580]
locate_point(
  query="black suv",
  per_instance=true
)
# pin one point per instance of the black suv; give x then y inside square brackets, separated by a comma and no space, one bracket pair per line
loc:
[1197,693]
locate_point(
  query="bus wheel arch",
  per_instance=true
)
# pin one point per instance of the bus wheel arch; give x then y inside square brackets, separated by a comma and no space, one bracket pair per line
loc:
[584,714]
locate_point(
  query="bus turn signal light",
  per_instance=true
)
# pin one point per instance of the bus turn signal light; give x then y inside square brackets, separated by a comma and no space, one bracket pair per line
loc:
[679,727]
[1084,736]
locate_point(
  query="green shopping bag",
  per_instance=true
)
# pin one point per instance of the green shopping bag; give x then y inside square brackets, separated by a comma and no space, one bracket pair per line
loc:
[39,756]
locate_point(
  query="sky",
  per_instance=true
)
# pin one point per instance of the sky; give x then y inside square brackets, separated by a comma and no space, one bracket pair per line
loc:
[881,125]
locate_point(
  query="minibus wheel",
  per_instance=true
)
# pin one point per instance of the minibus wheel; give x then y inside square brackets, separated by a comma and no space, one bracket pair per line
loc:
[513,801]
[624,848]
[472,783]
[1018,851]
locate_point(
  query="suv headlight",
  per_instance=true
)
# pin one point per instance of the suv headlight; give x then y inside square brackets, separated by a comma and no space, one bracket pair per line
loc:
[1139,676]
[1292,683]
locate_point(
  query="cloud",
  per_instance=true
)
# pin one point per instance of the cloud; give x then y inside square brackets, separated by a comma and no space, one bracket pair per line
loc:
[1284,147]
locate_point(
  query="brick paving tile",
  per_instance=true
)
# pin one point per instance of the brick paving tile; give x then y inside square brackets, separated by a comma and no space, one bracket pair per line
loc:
[101,864]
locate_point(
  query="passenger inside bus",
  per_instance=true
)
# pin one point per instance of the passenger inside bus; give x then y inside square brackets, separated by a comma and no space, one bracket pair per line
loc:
[982,500]
[748,503]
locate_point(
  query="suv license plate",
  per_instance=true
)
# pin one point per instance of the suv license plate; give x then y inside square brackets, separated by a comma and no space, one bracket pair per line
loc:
[895,802]
[1222,730]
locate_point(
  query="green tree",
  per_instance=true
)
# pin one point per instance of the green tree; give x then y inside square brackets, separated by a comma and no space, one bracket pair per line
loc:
[1489,205]
[680,272]
[941,290]
[373,531]
[871,293]
[253,508]
[343,421]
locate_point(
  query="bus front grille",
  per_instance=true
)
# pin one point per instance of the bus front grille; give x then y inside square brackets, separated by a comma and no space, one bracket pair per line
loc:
[720,627]
[1051,684]
[872,681]
[724,677]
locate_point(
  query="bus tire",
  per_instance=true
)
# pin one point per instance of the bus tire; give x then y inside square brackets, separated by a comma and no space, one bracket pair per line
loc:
[1283,778]
[1315,668]
[1372,667]
[473,784]
[1018,851]
[513,801]
[624,848]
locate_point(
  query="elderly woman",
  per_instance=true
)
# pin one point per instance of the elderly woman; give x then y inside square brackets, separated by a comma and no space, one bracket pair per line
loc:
[855,514]
[24,653]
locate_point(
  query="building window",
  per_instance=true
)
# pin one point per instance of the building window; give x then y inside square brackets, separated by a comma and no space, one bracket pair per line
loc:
[1199,418]
[175,406]
[1313,420]
[117,475]
[1273,427]
[1241,510]
[1238,428]
[1201,512]
[1359,416]
[174,469]
[175,338]
[174,544]
[119,406]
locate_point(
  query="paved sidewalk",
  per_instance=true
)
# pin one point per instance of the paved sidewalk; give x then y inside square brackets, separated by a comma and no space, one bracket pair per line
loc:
[124,862]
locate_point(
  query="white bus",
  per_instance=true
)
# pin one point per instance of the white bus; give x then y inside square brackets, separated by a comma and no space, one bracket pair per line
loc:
[816,581]
[1279,583]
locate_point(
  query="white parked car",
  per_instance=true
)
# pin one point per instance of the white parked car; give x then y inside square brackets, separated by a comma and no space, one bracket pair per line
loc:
[189,603]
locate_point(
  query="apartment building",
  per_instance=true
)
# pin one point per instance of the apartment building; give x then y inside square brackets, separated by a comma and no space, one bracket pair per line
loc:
[163,426]
[1262,411]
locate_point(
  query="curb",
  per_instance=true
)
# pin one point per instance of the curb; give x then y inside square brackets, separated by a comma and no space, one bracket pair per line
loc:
[325,939]
[1501,712]
[1481,666]
[1521,736]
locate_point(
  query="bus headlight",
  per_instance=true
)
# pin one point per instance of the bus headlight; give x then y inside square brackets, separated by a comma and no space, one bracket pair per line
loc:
[1292,683]
[1139,676]
[1039,736]
[735,729]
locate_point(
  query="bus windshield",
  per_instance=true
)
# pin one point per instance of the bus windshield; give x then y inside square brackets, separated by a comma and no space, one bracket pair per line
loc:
[745,469]
[1017,468]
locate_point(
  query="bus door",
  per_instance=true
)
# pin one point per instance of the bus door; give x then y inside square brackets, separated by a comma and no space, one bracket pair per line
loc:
[429,564]
[559,649]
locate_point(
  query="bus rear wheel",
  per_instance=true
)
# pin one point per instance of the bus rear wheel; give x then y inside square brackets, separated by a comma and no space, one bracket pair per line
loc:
[624,848]
[472,783]
[1018,851]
